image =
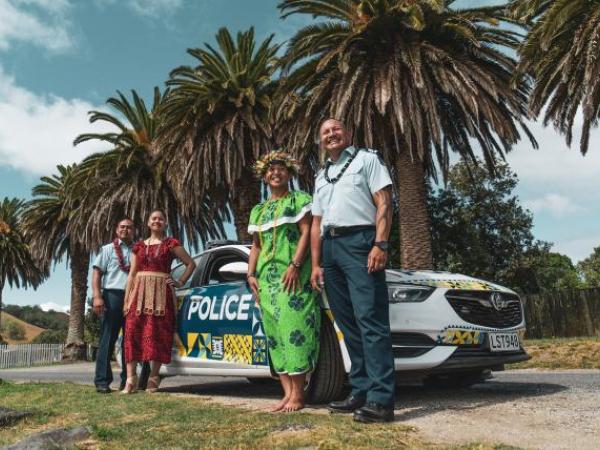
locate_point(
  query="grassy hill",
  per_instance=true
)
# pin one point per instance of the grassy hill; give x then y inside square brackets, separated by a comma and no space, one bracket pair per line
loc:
[31,331]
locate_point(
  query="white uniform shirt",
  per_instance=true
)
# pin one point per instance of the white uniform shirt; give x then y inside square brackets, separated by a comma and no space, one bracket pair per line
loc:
[108,263]
[349,202]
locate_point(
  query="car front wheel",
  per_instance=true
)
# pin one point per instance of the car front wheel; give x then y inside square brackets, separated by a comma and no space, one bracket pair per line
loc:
[326,383]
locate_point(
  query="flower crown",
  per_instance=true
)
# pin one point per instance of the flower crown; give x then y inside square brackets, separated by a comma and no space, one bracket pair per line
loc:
[262,165]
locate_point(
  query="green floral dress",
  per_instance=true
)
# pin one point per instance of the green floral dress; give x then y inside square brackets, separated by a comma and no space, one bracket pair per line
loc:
[291,321]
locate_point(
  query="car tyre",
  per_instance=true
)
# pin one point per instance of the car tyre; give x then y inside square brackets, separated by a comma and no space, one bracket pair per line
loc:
[326,383]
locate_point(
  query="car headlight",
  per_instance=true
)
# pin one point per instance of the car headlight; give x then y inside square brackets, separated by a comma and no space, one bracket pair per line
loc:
[408,293]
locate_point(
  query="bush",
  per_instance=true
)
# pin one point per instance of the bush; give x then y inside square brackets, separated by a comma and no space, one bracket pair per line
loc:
[91,328]
[51,337]
[15,331]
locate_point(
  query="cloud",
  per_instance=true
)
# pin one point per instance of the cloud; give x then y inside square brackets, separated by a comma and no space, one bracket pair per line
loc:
[37,131]
[44,23]
[555,166]
[556,204]
[561,187]
[51,306]
[579,248]
[155,8]
[147,8]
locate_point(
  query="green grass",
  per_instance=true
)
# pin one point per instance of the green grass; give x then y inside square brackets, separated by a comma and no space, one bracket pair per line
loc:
[185,421]
[562,353]
[170,421]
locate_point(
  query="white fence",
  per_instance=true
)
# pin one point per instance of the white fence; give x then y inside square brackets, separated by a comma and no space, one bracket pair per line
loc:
[25,355]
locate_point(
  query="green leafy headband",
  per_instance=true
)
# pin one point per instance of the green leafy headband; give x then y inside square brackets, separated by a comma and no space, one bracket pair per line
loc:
[280,157]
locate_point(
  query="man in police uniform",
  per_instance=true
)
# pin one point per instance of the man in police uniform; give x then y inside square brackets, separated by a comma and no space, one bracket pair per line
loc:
[352,217]
[111,268]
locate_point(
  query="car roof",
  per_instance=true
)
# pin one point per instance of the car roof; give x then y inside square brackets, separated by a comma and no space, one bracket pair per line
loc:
[243,248]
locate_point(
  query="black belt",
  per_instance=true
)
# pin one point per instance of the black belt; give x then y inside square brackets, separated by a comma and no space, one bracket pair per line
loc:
[342,231]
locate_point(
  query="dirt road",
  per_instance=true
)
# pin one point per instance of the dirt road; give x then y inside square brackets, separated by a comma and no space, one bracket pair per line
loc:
[525,408]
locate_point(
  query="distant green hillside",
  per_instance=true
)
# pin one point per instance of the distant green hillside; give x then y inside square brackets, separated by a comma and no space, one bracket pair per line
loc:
[30,331]
[34,315]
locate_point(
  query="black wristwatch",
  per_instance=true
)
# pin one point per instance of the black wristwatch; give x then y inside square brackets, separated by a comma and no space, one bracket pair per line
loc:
[383,245]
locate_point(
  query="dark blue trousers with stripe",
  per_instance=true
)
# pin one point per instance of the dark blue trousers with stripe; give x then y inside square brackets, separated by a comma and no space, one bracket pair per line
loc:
[360,305]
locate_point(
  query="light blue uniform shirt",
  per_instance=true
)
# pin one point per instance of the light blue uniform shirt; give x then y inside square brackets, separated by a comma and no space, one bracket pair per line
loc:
[349,202]
[108,263]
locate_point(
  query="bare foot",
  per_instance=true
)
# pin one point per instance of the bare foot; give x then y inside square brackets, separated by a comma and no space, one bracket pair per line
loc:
[295,404]
[279,406]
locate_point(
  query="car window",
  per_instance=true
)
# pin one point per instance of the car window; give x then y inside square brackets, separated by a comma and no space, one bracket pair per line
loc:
[217,262]
[177,272]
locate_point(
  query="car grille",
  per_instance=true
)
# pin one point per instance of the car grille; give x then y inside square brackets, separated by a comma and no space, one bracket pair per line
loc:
[486,308]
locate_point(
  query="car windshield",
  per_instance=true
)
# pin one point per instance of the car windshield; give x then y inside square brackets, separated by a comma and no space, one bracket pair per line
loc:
[178,270]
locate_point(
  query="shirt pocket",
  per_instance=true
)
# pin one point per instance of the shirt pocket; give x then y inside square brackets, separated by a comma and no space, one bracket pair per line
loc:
[351,179]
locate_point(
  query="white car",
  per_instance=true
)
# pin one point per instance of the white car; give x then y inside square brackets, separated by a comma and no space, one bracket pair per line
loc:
[446,328]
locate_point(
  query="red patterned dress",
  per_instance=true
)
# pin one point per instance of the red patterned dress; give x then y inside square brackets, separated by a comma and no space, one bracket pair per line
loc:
[150,309]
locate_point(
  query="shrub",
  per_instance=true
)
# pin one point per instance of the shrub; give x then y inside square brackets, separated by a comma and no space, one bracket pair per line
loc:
[15,331]
[51,337]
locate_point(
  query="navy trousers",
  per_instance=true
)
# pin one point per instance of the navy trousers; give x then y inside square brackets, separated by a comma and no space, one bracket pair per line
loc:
[112,322]
[360,305]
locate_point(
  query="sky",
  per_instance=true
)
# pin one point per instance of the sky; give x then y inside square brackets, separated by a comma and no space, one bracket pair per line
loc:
[60,59]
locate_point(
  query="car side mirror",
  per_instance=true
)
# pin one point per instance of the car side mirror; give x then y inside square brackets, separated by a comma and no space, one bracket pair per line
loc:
[235,271]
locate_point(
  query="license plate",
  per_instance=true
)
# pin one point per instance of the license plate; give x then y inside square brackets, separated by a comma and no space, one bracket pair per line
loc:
[504,342]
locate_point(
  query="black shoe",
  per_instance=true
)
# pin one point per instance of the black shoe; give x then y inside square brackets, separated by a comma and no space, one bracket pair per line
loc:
[122,385]
[103,390]
[374,412]
[347,405]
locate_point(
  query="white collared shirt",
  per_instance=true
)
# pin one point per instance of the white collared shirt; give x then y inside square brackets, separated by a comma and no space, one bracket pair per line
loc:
[108,263]
[349,202]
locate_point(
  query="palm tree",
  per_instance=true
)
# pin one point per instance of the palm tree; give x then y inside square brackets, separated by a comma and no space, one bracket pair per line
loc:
[412,78]
[561,54]
[47,219]
[132,178]
[17,266]
[217,121]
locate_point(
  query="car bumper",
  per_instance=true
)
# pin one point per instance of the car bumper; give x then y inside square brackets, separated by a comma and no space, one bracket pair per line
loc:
[467,359]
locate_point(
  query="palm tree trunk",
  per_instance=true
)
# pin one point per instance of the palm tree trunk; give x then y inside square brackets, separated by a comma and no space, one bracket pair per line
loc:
[80,261]
[414,221]
[247,194]
[1,289]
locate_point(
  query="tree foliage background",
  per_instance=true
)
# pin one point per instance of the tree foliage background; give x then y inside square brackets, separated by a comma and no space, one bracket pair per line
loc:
[590,269]
[479,228]
[51,320]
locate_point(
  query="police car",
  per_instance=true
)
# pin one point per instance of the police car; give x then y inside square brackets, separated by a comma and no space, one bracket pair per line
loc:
[446,328]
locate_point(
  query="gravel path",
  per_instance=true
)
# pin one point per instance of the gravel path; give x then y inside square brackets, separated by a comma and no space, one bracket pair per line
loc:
[525,408]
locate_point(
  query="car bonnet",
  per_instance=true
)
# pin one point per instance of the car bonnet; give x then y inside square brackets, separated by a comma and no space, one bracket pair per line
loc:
[442,280]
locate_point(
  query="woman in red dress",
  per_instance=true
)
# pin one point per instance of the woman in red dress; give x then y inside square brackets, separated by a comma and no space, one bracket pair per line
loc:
[150,301]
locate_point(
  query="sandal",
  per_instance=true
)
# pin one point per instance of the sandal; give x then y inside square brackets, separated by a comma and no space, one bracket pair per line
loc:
[153,384]
[130,385]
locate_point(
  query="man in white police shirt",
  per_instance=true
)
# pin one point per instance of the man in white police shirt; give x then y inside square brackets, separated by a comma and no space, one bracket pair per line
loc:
[111,268]
[352,217]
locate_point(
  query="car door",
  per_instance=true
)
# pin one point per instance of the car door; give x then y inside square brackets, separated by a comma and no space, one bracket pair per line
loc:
[218,323]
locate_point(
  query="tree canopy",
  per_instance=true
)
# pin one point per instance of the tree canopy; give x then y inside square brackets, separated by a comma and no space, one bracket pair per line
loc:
[560,53]
[590,269]
[480,229]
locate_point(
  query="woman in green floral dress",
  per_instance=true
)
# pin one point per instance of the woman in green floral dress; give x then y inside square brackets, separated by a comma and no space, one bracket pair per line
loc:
[279,275]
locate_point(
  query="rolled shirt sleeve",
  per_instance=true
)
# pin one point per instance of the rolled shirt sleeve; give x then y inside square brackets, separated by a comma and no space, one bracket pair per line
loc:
[101,260]
[316,209]
[378,175]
